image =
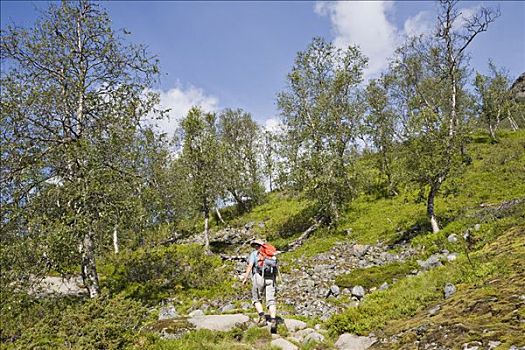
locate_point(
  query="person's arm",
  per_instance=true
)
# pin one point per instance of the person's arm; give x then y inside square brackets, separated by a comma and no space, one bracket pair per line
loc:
[248,271]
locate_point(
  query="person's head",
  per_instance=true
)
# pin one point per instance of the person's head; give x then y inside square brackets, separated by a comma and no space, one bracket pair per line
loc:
[256,243]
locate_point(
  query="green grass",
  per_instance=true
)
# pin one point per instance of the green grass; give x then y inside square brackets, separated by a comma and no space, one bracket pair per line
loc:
[376,275]
[280,216]
[410,295]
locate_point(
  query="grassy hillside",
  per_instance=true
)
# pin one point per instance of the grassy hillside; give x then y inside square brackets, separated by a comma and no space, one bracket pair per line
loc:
[488,201]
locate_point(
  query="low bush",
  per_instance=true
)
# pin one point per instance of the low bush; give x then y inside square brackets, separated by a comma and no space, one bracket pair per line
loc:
[101,323]
[153,274]
[376,275]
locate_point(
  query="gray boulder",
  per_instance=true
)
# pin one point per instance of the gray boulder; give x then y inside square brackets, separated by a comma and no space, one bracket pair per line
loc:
[300,335]
[313,337]
[227,307]
[294,325]
[353,342]
[358,291]
[283,344]
[222,323]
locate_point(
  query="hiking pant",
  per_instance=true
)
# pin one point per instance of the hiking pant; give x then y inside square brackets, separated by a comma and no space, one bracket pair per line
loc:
[262,285]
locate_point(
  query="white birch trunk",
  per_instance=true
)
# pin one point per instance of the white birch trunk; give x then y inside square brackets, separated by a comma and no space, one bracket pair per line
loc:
[88,265]
[115,239]
[219,215]
[206,232]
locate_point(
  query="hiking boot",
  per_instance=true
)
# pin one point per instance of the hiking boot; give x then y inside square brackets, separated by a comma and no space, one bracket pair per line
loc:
[273,326]
[261,321]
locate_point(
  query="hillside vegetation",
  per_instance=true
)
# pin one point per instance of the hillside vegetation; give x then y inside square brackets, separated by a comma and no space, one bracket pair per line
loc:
[397,204]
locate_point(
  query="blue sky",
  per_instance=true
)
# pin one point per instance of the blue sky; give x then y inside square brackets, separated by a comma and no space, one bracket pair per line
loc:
[237,54]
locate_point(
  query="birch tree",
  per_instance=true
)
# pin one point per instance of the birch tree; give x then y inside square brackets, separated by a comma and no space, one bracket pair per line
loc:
[431,74]
[72,101]
[239,136]
[320,113]
[201,156]
[495,102]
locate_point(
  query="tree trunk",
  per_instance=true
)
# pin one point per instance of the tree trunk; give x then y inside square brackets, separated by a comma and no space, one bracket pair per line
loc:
[206,231]
[115,239]
[88,265]
[299,241]
[492,132]
[219,216]
[430,209]
[513,123]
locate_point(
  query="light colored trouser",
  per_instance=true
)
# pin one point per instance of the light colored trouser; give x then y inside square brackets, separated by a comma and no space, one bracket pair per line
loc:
[262,285]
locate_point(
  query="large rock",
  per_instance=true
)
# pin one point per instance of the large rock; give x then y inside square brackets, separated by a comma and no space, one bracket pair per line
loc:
[219,322]
[294,325]
[283,344]
[313,337]
[300,335]
[353,342]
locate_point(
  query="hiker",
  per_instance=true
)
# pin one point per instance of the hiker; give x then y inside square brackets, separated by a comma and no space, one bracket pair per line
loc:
[262,265]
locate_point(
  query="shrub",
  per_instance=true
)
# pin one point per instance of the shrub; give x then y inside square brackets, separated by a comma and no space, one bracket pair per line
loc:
[375,276]
[101,323]
[151,274]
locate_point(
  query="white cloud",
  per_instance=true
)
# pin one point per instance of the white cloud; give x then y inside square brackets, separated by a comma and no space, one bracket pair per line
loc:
[369,25]
[421,23]
[366,24]
[179,100]
[465,14]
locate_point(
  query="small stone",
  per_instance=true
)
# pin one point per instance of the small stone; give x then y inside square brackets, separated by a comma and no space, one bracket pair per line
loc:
[475,345]
[167,313]
[227,307]
[313,337]
[317,327]
[494,344]
[434,310]
[452,256]
[334,290]
[477,227]
[433,261]
[358,291]
[384,286]
[449,290]
[453,238]
[196,313]
[283,344]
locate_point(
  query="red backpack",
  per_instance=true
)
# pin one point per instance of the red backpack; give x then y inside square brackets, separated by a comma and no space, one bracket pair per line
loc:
[267,260]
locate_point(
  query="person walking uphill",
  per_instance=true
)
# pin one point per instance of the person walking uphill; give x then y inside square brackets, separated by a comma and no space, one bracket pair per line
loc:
[262,266]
